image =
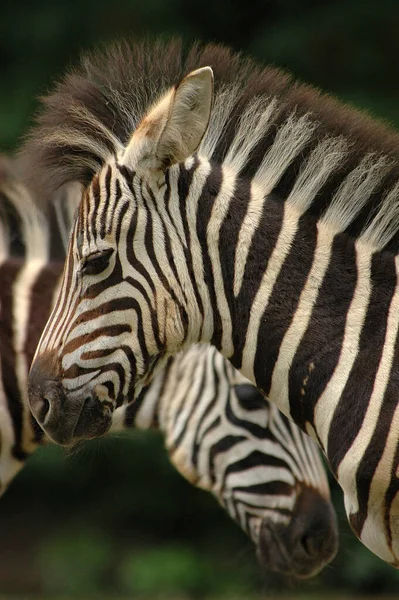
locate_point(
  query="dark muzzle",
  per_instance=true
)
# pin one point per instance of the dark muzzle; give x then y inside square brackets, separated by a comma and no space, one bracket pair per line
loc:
[65,418]
[304,546]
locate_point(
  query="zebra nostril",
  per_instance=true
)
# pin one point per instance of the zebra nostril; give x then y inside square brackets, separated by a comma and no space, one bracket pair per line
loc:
[45,409]
[310,544]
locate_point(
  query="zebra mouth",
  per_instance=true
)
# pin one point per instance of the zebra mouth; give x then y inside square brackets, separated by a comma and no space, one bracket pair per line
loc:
[94,419]
[272,552]
[82,419]
[278,552]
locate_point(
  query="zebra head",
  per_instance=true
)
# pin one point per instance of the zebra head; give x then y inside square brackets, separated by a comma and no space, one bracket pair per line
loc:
[111,324]
[225,437]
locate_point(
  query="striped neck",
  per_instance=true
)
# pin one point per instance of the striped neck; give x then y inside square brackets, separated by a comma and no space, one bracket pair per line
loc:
[286,292]
[310,316]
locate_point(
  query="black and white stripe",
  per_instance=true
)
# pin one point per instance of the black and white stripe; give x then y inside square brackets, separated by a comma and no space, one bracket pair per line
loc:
[269,232]
[266,474]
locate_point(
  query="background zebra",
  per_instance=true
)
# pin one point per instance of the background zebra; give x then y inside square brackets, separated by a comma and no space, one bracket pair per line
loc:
[272,243]
[265,473]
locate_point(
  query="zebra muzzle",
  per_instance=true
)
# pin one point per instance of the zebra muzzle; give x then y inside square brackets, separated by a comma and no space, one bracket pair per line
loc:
[306,544]
[66,418]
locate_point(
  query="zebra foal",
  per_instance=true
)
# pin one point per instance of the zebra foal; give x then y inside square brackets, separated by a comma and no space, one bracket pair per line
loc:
[260,217]
[264,472]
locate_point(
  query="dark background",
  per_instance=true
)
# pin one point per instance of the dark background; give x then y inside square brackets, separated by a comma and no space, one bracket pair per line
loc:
[115,519]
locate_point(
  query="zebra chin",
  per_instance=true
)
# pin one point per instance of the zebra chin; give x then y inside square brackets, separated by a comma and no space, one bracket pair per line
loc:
[304,546]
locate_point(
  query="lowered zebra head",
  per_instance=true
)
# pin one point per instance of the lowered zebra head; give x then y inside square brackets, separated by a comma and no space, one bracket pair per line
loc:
[224,437]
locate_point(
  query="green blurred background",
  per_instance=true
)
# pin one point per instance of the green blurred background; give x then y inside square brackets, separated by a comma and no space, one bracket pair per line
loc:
[115,519]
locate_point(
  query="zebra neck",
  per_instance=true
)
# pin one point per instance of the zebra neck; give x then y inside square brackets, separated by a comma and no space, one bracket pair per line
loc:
[146,411]
[301,310]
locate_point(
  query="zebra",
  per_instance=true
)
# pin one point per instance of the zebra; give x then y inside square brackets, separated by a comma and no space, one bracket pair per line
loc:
[225,203]
[261,468]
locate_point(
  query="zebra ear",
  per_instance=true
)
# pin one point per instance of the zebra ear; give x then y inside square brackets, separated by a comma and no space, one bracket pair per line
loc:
[174,127]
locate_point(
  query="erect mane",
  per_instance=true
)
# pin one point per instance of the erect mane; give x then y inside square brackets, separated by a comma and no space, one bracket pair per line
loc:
[93,111]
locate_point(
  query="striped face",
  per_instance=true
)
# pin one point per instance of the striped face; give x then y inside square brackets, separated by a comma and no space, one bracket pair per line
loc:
[122,305]
[88,347]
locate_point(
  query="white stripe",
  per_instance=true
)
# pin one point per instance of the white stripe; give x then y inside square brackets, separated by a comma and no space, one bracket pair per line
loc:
[247,231]
[329,399]
[253,124]
[290,140]
[193,208]
[21,314]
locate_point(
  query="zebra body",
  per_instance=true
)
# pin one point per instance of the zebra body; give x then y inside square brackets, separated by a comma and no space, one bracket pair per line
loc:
[274,242]
[265,473]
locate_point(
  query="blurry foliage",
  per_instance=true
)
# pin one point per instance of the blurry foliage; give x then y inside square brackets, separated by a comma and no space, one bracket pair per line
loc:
[73,562]
[178,569]
[170,569]
[115,517]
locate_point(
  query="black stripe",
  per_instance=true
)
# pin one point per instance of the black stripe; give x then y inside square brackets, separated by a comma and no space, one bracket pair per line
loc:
[322,342]
[226,443]
[193,408]
[40,305]
[228,242]
[391,495]
[256,458]
[149,244]
[275,488]
[183,186]
[167,233]
[133,408]
[208,407]
[107,200]
[253,429]
[92,222]
[80,341]
[262,245]
[283,301]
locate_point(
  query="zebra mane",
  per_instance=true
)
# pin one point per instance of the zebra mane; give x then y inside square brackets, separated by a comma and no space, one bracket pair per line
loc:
[322,156]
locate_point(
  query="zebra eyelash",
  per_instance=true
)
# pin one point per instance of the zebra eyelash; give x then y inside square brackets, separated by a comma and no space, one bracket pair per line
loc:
[97,262]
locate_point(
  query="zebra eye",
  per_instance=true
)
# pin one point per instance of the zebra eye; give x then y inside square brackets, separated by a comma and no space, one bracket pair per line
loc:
[96,263]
